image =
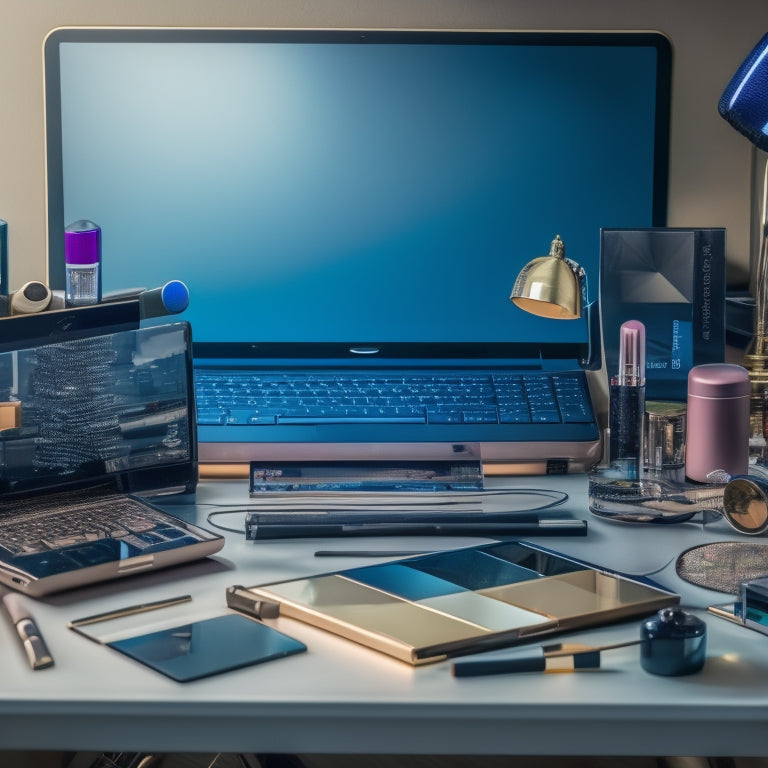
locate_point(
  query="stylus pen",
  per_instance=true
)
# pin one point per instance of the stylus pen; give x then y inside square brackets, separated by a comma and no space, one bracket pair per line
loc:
[26,628]
[547,527]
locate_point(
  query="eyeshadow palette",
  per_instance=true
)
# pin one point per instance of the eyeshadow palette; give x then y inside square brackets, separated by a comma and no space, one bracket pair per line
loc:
[429,607]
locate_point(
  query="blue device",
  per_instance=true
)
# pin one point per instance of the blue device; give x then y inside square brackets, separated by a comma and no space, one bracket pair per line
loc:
[744,103]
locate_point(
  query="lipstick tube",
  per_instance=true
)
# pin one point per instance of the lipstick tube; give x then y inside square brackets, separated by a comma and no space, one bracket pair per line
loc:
[627,403]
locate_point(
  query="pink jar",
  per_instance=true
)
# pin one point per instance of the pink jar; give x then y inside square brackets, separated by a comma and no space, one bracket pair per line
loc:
[718,420]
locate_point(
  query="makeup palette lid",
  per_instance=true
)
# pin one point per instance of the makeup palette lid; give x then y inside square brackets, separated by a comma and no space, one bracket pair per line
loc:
[718,380]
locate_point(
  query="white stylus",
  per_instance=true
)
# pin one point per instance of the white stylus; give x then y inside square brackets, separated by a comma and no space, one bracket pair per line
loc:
[32,641]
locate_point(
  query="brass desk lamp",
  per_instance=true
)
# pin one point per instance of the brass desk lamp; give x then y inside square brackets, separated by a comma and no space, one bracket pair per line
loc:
[556,287]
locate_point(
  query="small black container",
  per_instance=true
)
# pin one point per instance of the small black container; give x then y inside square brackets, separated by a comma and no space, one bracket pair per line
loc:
[673,642]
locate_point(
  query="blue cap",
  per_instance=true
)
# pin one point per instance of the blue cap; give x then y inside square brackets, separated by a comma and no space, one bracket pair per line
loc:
[175,296]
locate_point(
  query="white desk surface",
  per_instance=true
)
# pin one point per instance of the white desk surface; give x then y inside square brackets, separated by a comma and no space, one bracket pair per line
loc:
[341,697]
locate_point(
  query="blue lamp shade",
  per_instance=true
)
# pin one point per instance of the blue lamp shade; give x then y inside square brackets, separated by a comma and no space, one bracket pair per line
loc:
[744,103]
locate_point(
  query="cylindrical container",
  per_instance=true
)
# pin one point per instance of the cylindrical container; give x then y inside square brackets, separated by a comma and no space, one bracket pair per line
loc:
[673,642]
[82,257]
[664,440]
[718,421]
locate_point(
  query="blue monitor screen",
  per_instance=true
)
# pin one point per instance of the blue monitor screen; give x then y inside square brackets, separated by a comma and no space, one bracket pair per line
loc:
[314,187]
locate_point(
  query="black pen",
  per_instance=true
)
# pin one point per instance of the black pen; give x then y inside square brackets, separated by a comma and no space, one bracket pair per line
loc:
[26,628]
[543,527]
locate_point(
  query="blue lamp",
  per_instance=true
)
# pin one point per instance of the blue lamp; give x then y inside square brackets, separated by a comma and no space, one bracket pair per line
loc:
[744,103]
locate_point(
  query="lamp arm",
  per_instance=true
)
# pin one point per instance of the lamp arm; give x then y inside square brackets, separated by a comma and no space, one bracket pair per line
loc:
[593,359]
[761,289]
[591,311]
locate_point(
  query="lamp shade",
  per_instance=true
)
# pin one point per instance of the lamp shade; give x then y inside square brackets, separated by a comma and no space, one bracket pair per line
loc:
[548,286]
[744,103]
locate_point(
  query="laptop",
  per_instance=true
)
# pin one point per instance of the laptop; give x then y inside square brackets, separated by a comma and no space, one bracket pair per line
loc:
[350,209]
[94,429]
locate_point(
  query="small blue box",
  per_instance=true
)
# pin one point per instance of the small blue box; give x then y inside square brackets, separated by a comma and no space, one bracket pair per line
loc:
[673,281]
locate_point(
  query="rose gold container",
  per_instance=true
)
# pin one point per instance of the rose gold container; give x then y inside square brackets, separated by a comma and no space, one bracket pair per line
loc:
[718,421]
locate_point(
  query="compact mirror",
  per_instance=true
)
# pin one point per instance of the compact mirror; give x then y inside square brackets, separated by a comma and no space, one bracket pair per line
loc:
[745,504]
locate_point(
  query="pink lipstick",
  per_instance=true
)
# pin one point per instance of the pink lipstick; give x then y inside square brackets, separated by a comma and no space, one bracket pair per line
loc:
[627,402]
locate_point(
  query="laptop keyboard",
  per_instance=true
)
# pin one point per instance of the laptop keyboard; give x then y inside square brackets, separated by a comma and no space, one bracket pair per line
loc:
[116,517]
[448,398]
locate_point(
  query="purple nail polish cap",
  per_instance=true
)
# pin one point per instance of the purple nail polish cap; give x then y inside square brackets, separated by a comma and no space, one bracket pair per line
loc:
[82,243]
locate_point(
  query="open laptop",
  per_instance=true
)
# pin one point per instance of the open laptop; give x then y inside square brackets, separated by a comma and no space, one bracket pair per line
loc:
[357,205]
[91,425]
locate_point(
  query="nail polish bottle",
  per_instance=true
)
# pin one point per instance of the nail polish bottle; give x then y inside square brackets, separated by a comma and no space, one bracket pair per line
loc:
[82,256]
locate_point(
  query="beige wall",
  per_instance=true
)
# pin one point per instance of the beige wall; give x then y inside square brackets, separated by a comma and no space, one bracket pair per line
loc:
[711,164]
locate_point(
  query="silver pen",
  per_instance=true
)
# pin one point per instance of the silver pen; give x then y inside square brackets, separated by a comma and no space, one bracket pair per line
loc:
[32,641]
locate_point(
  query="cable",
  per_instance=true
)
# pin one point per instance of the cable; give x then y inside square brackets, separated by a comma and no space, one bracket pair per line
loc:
[211,515]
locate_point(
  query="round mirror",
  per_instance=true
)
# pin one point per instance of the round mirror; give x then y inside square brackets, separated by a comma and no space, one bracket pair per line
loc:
[745,504]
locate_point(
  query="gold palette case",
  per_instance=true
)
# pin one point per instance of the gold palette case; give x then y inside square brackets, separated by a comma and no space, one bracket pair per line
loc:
[430,607]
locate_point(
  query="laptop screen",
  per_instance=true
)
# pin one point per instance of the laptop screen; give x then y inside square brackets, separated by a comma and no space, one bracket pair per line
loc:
[113,410]
[339,186]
